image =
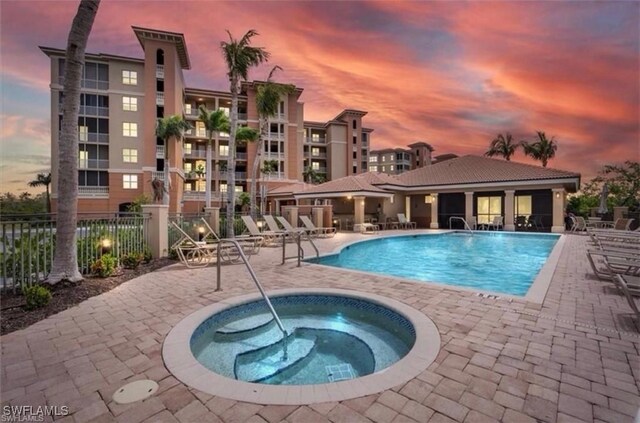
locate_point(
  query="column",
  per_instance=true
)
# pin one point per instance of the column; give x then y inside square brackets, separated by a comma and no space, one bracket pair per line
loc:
[509,203]
[468,207]
[291,214]
[358,212]
[213,214]
[559,195]
[619,212]
[316,216]
[157,235]
[434,212]
[407,207]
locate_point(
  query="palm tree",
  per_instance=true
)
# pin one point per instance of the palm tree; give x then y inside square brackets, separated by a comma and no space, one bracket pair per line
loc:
[65,259]
[168,128]
[43,179]
[214,122]
[239,56]
[502,145]
[543,149]
[267,102]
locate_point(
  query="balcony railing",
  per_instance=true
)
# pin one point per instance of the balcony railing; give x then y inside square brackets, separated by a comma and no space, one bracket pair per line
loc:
[89,191]
[320,140]
[273,175]
[157,175]
[242,116]
[319,156]
[279,116]
[160,152]
[160,99]
[196,154]
[93,164]
[193,195]
[240,176]
[160,71]
[273,156]
[91,110]
[201,133]
[89,83]
[276,136]
[241,156]
[321,170]
[91,137]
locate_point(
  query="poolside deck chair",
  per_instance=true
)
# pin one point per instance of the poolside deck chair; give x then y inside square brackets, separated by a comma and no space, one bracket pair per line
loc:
[270,238]
[521,223]
[615,263]
[328,232]
[288,227]
[195,254]
[369,228]
[623,285]
[579,224]
[250,244]
[405,223]
[496,224]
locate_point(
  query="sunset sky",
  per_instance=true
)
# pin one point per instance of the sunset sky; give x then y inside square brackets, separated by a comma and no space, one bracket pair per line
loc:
[453,74]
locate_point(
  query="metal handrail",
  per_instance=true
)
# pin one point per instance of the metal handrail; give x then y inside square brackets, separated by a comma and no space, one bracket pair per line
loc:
[298,235]
[236,244]
[466,225]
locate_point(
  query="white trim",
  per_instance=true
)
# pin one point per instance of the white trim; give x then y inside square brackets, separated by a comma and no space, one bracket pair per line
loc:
[179,360]
[345,194]
[524,182]
[110,170]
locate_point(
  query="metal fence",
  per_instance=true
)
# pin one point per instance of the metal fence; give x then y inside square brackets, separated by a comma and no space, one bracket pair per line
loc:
[27,243]
[188,222]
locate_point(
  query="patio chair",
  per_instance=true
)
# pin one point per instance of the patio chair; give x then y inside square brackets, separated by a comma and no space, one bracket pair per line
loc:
[250,244]
[473,223]
[579,224]
[288,227]
[195,254]
[628,291]
[328,232]
[521,223]
[405,223]
[369,228]
[622,224]
[270,238]
[497,223]
[615,262]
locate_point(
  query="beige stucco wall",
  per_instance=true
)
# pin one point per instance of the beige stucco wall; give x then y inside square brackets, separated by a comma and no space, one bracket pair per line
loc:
[336,151]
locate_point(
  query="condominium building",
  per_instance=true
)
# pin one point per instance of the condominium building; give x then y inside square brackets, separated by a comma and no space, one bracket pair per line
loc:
[394,161]
[120,154]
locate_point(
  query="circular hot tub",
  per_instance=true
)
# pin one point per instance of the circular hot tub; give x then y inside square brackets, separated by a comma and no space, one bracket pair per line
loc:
[338,344]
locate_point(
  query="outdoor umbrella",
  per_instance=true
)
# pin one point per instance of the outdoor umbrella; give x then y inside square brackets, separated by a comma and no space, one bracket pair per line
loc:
[603,199]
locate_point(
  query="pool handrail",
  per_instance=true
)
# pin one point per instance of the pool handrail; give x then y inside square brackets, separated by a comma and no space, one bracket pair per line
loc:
[466,225]
[256,281]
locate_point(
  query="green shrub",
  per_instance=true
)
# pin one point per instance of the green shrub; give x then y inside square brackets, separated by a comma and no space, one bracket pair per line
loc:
[37,296]
[131,260]
[173,254]
[104,266]
[147,256]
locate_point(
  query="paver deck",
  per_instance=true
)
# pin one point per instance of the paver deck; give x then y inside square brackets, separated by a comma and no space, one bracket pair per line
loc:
[574,358]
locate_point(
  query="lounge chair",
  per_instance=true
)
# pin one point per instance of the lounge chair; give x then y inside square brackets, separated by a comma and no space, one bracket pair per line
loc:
[327,232]
[250,244]
[288,227]
[623,285]
[405,223]
[270,238]
[369,228]
[615,262]
[521,223]
[195,254]
[496,224]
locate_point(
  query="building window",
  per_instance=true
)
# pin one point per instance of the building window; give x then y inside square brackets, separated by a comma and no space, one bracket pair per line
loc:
[315,165]
[384,159]
[129,129]
[187,148]
[223,150]
[488,208]
[354,124]
[355,139]
[187,109]
[83,133]
[315,151]
[129,77]
[187,167]
[130,181]
[201,185]
[315,137]
[373,159]
[373,168]
[391,168]
[187,187]
[83,159]
[355,169]
[130,155]
[130,104]
[201,131]
[523,205]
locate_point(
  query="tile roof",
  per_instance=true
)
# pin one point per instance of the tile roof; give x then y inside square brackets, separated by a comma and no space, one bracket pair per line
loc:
[290,188]
[477,169]
[353,184]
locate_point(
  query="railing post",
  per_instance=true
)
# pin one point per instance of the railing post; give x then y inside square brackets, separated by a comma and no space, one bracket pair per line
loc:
[157,235]
[213,218]
[218,270]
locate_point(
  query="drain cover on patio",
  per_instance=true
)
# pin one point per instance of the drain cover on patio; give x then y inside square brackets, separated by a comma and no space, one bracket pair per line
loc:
[340,372]
[135,391]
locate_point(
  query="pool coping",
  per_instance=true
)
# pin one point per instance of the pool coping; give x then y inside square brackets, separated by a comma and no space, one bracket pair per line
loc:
[535,294]
[179,360]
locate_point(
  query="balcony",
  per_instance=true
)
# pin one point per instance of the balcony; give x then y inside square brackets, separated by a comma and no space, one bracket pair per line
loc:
[319,156]
[93,191]
[313,140]
[93,164]
[273,156]
[160,71]
[160,152]
[276,136]
[193,195]
[160,99]
[91,110]
[320,170]
[91,137]
[242,116]
[272,176]
[241,156]
[196,154]
[240,176]
[157,175]
[279,116]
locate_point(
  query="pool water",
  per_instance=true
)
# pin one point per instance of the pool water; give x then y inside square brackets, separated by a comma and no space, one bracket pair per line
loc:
[494,261]
[330,338]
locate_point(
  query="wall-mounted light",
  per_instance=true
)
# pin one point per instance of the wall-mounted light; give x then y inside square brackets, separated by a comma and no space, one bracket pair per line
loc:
[349,197]
[557,195]
[428,199]
[393,197]
[362,202]
[260,224]
[105,246]
[200,233]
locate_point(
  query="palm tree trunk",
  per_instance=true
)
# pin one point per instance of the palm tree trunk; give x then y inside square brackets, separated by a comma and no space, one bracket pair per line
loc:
[48,199]
[166,200]
[256,167]
[65,259]
[231,161]
[209,171]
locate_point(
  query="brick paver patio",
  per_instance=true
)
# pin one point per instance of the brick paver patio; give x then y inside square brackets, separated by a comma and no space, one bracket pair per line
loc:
[575,358]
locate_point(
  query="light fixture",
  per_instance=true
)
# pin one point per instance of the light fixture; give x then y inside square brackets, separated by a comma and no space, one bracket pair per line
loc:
[200,233]
[105,246]
[557,195]
[392,198]
[348,197]
[428,199]
[200,99]
[260,224]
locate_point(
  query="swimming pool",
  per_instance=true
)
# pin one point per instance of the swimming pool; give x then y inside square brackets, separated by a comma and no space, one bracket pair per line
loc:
[491,261]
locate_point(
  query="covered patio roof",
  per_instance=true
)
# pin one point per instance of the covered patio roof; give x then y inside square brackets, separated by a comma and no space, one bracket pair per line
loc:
[356,185]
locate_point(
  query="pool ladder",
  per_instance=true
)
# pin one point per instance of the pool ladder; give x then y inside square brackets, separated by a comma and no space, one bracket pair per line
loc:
[466,225]
[245,260]
[300,251]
